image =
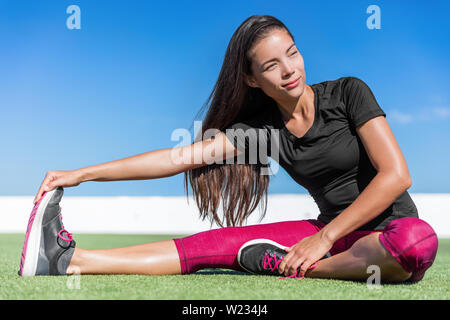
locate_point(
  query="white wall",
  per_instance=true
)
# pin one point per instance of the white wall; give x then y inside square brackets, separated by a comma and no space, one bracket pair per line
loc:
[174,215]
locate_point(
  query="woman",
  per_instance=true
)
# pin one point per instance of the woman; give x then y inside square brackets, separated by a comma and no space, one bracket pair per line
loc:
[331,137]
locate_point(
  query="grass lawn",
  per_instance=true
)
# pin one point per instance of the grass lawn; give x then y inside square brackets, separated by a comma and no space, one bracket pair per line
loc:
[205,284]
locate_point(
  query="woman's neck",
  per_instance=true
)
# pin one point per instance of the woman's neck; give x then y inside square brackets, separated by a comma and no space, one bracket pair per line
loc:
[302,109]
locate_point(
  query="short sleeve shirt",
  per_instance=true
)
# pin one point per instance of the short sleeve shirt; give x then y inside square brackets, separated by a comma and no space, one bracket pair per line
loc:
[329,160]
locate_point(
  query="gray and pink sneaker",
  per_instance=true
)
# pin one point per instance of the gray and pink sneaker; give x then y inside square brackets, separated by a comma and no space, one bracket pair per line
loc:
[48,247]
[263,256]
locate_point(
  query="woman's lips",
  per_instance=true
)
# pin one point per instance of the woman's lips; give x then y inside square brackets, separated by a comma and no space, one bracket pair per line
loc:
[292,84]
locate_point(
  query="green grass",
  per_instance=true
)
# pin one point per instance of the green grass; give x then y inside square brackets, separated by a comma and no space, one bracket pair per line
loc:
[204,284]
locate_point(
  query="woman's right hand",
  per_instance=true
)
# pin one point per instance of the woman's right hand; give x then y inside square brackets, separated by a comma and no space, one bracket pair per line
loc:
[53,179]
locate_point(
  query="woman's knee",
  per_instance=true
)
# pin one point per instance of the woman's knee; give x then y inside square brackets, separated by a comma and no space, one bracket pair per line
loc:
[413,243]
[370,252]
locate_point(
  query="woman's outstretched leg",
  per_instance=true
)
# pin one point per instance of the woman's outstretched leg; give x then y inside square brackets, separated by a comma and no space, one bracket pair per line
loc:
[154,258]
[49,248]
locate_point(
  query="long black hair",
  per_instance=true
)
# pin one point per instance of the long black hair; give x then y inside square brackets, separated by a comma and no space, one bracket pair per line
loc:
[240,187]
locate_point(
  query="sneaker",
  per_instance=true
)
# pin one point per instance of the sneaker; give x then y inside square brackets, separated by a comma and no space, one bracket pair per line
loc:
[263,256]
[48,247]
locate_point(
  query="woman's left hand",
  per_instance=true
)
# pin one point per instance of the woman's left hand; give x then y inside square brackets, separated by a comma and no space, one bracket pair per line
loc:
[304,253]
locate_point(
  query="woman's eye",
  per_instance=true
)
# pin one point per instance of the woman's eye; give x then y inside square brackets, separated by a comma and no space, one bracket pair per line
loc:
[269,67]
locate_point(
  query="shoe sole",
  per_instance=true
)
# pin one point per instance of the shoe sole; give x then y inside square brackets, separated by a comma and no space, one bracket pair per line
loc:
[30,250]
[252,242]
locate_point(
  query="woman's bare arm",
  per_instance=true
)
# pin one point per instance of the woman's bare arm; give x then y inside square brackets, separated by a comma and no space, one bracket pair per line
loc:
[150,165]
[163,162]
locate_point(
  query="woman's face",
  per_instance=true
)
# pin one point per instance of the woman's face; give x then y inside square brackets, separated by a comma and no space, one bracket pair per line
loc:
[276,61]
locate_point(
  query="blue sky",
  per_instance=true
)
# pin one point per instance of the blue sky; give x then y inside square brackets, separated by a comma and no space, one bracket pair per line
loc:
[76,98]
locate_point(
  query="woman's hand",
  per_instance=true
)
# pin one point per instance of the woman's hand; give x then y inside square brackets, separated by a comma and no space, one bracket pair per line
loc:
[304,253]
[53,179]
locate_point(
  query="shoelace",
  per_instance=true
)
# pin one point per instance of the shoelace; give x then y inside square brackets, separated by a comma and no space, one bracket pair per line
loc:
[69,235]
[267,262]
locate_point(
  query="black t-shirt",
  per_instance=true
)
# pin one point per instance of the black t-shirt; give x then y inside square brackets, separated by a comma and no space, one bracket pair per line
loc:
[330,160]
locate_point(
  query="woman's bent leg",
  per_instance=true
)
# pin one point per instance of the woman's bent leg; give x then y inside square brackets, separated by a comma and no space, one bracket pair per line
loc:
[404,250]
[352,264]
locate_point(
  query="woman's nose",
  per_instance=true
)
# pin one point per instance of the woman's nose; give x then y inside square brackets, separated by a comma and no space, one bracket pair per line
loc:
[287,68]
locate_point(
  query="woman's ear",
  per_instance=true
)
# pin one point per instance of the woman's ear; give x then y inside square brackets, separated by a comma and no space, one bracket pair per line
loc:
[250,81]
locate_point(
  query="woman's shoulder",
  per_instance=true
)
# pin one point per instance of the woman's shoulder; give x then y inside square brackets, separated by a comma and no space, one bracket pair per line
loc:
[339,88]
[341,82]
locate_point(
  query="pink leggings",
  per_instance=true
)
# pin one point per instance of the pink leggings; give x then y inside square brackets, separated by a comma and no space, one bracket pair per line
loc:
[410,240]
